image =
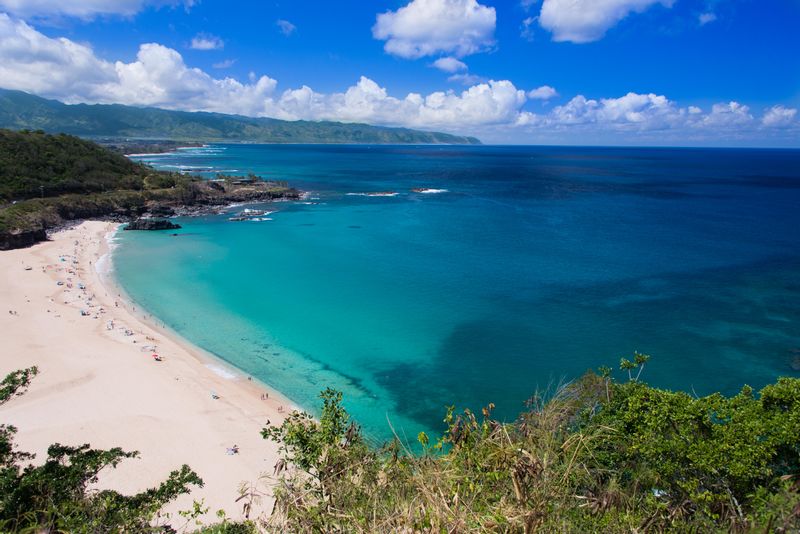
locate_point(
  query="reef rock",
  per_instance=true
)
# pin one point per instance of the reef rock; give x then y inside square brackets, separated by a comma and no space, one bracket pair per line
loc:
[152,224]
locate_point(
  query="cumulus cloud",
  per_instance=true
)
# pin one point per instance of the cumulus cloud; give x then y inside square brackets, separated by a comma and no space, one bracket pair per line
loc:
[728,114]
[60,68]
[631,111]
[494,102]
[544,92]
[33,62]
[430,27]
[203,41]
[286,27]
[659,119]
[583,21]
[158,76]
[779,117]
[85,9]
[449,64]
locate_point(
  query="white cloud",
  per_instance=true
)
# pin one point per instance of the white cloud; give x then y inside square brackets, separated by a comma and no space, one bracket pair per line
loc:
[85,9]
[631,111]
[430,27]
[544,92]
[526,31]
[465,78]
[729,114]
[449,64]
[495,102]
[779,117]
[225,64]
[641,113]
[60,68]
[583,21]
[33,62]
[286,27]
[705,18]
[63,69]
[204,41]
[158,76]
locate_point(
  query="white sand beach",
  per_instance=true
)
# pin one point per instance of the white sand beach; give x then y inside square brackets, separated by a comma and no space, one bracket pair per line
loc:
[100,384]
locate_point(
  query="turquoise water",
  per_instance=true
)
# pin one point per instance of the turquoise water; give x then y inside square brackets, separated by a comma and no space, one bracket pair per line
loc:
[536,264]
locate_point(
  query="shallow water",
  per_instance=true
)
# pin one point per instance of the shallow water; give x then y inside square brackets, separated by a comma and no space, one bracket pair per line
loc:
[536,264]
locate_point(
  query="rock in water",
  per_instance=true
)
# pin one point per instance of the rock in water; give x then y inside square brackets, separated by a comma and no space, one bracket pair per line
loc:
[152,224]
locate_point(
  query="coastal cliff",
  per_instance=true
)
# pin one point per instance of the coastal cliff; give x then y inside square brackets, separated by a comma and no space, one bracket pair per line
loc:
[48,180]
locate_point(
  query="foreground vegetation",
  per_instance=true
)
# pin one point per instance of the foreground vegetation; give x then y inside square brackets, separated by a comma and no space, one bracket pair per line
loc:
[597,456]
[55,495]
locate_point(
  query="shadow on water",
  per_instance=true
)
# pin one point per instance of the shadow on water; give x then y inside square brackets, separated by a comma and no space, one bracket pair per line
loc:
[707,331]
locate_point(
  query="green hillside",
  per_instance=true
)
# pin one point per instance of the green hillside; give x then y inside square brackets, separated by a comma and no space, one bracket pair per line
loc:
[34,164]
[46,180]
[19,110]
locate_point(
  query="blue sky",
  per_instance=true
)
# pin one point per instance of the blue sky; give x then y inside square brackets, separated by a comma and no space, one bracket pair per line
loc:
[685,72]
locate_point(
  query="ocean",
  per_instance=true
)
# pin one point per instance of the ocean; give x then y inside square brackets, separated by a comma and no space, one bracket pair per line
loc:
[527,267]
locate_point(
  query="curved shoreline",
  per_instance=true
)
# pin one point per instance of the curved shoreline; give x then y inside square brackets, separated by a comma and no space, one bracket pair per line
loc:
[98,383]
[204,357]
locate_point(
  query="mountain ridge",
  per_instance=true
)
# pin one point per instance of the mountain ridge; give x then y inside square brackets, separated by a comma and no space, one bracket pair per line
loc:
[20,110]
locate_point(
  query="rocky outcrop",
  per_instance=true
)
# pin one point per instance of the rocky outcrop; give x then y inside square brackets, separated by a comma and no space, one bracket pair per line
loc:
[159,210]
[217,192]
[47,181]
[12,240]
[152,224]
[24,223]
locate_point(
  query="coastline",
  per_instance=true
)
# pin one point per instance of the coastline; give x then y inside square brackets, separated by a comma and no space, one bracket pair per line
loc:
[99,384]
[215,363]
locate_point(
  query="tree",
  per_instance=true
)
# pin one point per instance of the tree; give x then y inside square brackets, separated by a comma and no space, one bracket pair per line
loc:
[55,495]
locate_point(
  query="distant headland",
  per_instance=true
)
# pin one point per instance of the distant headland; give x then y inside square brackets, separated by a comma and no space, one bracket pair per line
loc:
[20,110]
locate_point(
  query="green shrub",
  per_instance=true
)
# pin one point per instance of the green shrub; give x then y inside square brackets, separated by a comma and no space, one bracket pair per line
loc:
[596,456]
[55,496]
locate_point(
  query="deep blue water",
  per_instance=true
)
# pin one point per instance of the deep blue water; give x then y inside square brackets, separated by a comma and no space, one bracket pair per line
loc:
[537,264]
